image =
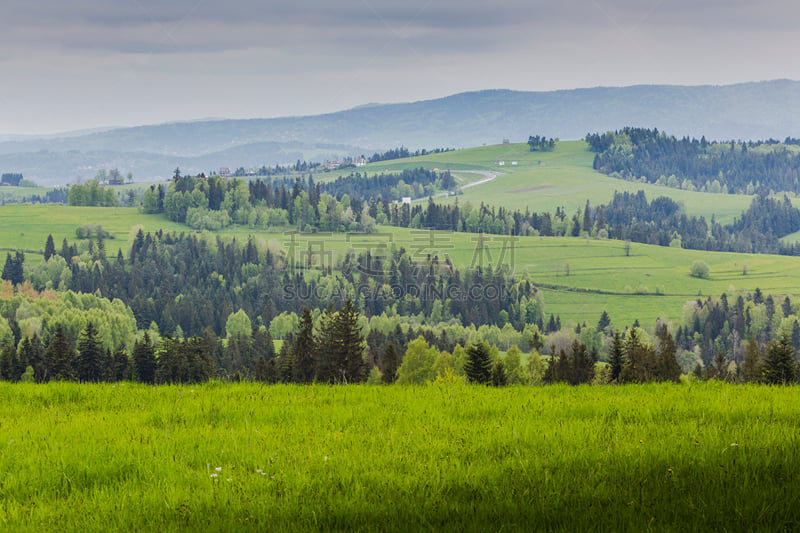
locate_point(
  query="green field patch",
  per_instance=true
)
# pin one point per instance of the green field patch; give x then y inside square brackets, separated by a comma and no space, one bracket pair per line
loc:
[27,226]
[248,457]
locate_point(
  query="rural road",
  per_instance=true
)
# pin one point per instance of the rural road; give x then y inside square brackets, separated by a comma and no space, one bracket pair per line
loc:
[488,176]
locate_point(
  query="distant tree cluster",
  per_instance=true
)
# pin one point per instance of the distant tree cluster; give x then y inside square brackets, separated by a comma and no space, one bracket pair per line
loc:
[11,179]
[662,222]
[92,194]
[13,269]
[539,143]
[403,152]
[731,167]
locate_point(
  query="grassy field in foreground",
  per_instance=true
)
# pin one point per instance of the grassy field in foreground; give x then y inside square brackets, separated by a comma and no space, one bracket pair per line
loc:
[701,457]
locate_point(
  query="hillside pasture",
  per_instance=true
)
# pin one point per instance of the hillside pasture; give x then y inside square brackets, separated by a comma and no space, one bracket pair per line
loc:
[580,277]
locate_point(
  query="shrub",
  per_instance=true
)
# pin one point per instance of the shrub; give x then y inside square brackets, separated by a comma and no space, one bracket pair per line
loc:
[699,269]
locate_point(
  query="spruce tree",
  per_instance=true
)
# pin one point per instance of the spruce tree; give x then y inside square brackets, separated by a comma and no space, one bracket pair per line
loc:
[581,365]
[499,377]
[8,269]
[49,248]
[478,366]
[32,351]
[261,369]
[668,368]
[719,370]
[7,357]
[144,360]
[779,362]
[752,364]
[616,356]
[304,350]
[604,321]
[120,369]
[90,353]
[325,342]
[391,362]
[286,363]
[349,346]
[59,357]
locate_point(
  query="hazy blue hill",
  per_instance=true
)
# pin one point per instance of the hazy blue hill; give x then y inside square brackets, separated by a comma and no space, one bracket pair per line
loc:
[743,111]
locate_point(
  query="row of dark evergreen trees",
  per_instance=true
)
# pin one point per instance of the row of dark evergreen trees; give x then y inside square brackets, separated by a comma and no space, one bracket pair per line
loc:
[631,216]
[334,354]
[168,279]
[640,152]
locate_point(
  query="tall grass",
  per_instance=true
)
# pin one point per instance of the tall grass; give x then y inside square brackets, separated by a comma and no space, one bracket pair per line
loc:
[250,457]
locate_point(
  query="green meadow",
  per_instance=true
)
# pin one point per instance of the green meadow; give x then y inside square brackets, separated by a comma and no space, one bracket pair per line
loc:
[542,181]
[580,278]
[27,226]
[224,457]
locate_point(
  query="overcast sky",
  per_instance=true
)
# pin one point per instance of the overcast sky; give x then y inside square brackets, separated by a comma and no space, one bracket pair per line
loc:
[68,65]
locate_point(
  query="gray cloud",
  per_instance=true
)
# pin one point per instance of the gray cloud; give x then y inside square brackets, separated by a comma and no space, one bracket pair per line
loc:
[89,62]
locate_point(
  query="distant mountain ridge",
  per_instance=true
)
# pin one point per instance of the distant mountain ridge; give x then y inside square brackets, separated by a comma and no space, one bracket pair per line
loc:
[757,110]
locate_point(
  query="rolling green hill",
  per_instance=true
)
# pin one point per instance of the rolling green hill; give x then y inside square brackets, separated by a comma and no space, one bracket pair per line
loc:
[580,278]
[741,111]
[541,181]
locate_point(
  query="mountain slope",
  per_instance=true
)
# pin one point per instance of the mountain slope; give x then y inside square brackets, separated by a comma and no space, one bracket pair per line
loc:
[742,111]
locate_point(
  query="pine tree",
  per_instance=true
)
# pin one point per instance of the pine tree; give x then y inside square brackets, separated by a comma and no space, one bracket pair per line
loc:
[325,342]
[499,376]
[87,363]
[12,271]
[668,368]
[349,347]
[752,364]
[305,349]
[604,322]
[557,370]
[779,362]
[59,357]
[7,357]
[478,366]
[49,248]
[32,351]
[616,356]
[286,363]
[587,218]
[144,360]
[261,369]
[66,253]
[390,364]
[640,360]
[719,370]
[120,369]
[581,365]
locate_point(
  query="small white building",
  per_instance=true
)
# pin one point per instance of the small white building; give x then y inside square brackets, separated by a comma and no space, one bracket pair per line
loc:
[406,200]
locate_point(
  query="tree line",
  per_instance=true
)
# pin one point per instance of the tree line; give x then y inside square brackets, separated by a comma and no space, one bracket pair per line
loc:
[168,283]
[733,167]
[630,216]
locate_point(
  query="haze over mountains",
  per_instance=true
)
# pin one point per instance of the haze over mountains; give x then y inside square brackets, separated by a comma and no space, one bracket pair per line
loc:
[743,111]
